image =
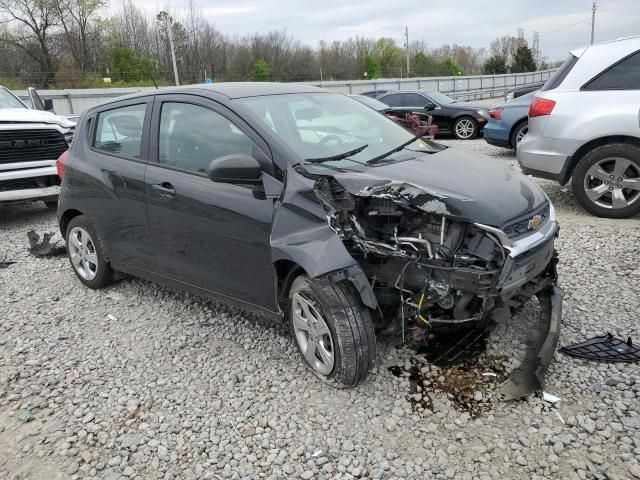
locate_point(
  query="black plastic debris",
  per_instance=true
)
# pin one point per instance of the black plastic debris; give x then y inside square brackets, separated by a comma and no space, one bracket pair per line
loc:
[605,348]
[6,264]
[45,248]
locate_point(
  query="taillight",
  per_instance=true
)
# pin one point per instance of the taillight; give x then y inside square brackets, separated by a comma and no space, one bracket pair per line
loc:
[61,163]
[540,107]
[495,113]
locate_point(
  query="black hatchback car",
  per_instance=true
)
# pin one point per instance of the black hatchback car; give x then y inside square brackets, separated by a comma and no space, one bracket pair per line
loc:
[308,206]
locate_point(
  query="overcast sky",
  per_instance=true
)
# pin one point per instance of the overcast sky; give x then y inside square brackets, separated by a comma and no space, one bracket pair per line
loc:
[562,24]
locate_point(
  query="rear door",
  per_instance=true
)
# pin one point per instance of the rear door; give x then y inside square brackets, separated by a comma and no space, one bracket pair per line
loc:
[214,236]
[107,178]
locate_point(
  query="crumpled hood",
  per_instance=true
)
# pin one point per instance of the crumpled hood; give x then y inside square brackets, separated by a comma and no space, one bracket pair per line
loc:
[469,186]
[27,115]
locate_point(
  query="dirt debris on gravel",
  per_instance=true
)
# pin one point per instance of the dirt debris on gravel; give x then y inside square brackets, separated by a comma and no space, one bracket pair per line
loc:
[143,382]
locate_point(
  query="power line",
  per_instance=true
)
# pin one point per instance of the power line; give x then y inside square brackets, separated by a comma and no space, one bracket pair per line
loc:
[565,27]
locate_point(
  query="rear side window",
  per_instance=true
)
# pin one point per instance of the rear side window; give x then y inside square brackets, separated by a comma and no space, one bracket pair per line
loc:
[624,75]
[192,136]
[558,77]
[119,131]
[393,100]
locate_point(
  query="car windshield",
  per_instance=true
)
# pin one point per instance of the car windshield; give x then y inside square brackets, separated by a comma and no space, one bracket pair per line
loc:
[9,100]
[371,102]
[323,125]
[440,98]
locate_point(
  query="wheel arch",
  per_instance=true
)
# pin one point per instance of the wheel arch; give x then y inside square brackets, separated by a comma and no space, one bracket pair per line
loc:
[287,271]
[65,218]
[515,127]
[570,165]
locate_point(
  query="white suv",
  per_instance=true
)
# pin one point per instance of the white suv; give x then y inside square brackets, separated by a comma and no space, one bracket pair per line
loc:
[584,123]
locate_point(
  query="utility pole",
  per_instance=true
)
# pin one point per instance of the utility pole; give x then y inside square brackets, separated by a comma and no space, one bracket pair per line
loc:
[406,36]
[593,21]
[173,51]
[165,18]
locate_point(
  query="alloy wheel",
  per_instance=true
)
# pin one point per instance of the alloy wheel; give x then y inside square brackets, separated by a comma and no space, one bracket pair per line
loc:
[521,133]
[82,252]
[613,183]
[465,128]
[313,335]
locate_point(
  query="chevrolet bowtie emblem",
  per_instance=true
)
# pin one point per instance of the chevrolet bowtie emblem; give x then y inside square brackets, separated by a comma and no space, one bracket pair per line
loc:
[535,222]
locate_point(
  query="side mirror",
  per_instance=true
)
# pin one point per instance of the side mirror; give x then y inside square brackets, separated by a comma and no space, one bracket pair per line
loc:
[235,168]
[430,106]
[48,104]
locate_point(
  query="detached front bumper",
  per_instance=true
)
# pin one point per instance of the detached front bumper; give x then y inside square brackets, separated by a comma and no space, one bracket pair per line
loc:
[529,376]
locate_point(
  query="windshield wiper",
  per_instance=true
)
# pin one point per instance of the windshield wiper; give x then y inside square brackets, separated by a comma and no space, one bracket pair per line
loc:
[397,149]
[340,156]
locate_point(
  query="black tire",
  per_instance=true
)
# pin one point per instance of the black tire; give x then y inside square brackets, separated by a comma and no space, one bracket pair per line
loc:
[474,124]
[601,155]
[104,272]
[350,326]
[51,205]
[524,124]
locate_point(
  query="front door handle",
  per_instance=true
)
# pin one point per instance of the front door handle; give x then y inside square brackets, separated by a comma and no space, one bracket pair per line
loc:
[164,189]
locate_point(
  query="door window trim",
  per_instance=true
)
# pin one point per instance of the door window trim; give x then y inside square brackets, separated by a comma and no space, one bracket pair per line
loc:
[586,88]
[144,139]
[209,104]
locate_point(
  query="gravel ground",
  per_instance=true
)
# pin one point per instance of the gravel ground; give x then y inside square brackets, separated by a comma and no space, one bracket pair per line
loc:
[138,381]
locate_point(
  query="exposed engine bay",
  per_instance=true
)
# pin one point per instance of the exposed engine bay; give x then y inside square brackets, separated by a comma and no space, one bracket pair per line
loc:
[419,124]
[424,264]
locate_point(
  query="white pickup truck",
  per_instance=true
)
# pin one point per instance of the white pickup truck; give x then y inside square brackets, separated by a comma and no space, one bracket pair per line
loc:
[31,140]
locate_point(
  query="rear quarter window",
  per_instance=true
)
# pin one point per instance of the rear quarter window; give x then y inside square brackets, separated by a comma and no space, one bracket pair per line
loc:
[558,77]
[623,75]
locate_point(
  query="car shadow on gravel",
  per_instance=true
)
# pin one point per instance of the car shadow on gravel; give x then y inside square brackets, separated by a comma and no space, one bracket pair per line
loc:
[23,215]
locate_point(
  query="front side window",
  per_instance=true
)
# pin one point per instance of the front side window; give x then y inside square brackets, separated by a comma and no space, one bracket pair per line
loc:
[119,131]
[624,75]
[192,136]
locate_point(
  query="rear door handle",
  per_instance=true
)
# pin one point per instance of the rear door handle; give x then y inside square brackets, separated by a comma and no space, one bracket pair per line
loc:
[164,189]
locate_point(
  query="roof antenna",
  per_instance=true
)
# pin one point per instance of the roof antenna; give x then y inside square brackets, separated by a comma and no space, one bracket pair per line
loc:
[153,80]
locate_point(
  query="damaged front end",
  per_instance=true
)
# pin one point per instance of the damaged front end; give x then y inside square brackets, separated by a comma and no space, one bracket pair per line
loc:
[428,264]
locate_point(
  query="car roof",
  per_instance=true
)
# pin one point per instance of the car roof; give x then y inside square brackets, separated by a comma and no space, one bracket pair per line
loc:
[593,59]
[230,90]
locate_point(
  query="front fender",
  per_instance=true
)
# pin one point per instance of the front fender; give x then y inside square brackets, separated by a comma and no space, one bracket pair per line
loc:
[301,234]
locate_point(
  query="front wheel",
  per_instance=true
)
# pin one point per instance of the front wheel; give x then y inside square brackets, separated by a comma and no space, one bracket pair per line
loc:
[606,181]
[333,331]
[465,128]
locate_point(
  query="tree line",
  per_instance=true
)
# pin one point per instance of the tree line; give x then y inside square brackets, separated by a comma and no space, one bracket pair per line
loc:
[74,44]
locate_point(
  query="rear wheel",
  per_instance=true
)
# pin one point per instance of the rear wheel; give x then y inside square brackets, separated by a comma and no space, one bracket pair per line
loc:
[333,331]
[606,181]
[518,133]
[465,128]
[87,254]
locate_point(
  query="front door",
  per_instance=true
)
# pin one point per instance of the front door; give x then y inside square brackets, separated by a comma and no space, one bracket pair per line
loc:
[214,236]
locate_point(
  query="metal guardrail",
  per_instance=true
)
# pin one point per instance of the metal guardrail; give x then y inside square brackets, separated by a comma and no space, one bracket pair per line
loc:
[473,87]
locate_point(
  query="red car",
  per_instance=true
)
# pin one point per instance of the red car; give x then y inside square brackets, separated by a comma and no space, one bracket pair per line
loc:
[419,123]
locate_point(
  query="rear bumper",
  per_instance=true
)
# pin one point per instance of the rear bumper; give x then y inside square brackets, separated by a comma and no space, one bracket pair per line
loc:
[545,157]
